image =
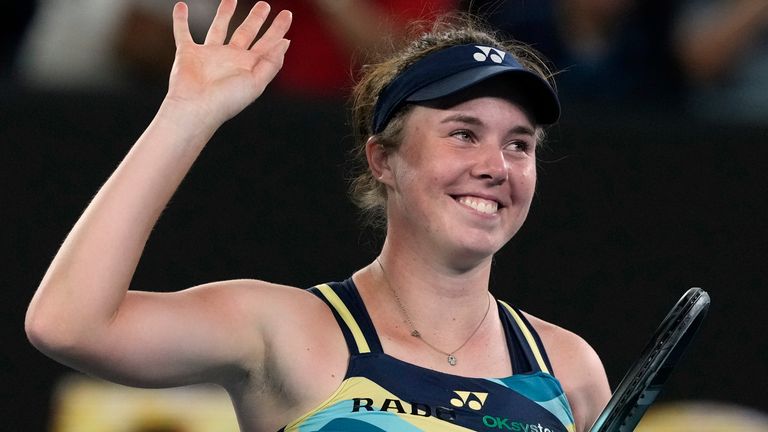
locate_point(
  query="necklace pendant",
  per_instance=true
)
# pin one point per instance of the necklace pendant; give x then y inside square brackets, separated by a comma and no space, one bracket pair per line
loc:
[451,359]
[415,333]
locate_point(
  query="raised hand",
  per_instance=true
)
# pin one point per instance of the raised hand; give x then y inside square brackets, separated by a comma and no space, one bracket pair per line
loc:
[218,79]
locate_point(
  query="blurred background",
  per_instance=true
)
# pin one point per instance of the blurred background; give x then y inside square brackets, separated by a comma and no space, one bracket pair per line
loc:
[653,182]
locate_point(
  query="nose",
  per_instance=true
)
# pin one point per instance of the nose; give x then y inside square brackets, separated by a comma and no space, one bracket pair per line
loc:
[491,165]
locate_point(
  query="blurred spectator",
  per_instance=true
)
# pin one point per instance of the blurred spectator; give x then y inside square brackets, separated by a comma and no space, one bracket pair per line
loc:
[330,37]
[96,44]
[689,416]
[82,403]
[723,45]
[614,51]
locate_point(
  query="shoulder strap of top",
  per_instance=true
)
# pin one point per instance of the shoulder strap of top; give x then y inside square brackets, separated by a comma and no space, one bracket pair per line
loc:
[527,350]
[348,309]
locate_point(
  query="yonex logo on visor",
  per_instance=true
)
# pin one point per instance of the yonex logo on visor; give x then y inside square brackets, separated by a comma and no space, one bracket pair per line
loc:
[456,68]
[487,53]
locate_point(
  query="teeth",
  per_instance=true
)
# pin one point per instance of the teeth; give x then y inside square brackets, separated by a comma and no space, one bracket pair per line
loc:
[479,204]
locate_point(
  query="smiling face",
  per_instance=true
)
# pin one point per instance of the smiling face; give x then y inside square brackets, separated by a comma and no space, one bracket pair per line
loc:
[462,180]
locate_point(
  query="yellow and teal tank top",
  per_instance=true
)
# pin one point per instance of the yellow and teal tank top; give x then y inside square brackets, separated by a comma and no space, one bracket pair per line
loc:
[383,394]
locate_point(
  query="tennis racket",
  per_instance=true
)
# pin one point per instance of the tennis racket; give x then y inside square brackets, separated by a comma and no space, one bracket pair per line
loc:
[645,379]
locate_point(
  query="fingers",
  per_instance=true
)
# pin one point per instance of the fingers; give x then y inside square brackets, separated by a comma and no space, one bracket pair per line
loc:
[180,25]
[247,31]
[276,32]
[217,33]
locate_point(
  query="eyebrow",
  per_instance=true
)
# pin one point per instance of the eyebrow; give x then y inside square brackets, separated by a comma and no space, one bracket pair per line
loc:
[472,120]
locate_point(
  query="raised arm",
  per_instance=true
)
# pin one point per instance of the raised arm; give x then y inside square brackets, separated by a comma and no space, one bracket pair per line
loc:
[82,313]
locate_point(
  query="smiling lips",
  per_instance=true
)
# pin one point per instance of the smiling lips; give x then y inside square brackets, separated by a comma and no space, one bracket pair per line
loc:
[482,205]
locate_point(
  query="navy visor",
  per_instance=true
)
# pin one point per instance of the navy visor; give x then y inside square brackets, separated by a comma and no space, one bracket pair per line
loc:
[453,69]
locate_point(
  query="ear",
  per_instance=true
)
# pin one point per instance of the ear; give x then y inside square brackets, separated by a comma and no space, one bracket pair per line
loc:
[378,160]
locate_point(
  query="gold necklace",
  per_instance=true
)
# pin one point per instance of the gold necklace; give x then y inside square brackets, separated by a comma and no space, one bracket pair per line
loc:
[450,356]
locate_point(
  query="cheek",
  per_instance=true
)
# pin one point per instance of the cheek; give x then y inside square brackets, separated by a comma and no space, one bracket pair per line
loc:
[417,183]
[525,177]
[419,168]
[531,175]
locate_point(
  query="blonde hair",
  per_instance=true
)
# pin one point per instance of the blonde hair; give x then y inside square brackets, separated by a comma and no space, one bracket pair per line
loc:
[449,30]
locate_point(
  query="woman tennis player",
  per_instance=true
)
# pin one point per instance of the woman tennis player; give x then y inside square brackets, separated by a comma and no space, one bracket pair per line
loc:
[412,342]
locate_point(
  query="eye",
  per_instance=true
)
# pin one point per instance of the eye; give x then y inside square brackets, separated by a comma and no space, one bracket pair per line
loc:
[518,146]
[463,135]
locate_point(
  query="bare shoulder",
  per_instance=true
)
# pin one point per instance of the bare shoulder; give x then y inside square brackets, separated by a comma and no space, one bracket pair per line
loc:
[281,314]
[239,304]
[564,344]
[251,297]
[280,308]
[578,368]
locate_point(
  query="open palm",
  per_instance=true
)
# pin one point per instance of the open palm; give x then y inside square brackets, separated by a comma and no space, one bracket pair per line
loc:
[221,78]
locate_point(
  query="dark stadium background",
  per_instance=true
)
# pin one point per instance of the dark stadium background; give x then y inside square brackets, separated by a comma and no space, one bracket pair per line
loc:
[632,209]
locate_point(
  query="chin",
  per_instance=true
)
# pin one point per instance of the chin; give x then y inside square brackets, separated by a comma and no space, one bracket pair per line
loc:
[474,253]
[487,243]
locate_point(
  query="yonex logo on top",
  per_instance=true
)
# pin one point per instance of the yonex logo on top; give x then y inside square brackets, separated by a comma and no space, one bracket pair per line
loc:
[496,56]
[473,400]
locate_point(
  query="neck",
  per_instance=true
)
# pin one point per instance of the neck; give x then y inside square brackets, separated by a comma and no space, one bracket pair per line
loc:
[438,297]
[437,276]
